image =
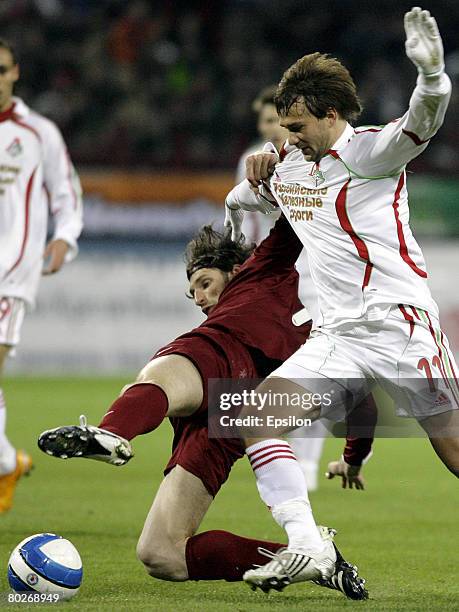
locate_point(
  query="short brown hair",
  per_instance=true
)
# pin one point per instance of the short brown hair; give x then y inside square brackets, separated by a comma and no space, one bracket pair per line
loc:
[4,44]
[323,83]
[212,249]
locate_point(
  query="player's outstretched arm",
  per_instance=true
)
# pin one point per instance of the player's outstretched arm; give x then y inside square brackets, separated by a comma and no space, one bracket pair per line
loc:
[388,151]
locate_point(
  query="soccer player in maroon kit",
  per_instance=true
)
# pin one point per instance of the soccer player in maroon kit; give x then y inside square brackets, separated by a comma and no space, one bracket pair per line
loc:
[249,301]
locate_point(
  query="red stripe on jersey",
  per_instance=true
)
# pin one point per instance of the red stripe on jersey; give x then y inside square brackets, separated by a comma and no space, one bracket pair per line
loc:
[415,138]
[285,447]
[403,250]
[369,130]
[366,276]
[259,465]
[408,318]
[282,153]
[26,223]
[345,223]
[8,114]
[27,127]
[415,312]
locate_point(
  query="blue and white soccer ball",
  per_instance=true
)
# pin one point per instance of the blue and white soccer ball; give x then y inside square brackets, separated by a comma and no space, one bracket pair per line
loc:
[45,563]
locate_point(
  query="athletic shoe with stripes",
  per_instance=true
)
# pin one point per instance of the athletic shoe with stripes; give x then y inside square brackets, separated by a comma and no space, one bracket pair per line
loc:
[288,566]
[345,578]
[85,441]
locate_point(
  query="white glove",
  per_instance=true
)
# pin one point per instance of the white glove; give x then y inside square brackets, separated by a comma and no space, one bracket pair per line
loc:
[233,220]
[423,44]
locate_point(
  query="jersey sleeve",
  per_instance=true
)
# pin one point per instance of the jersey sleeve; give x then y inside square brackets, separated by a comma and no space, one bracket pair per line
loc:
[388,150]
[64,190]
[361,424]
[243,197]
[280,249]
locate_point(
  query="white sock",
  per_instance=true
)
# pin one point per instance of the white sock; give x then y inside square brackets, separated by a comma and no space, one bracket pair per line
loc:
[282,487]
[7,451]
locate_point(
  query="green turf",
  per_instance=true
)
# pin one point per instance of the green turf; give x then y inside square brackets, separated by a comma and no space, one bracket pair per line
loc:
[401,531]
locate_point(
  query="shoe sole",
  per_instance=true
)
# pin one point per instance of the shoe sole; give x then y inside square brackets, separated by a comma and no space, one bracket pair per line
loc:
[68,442]
[64,443]
[266,584]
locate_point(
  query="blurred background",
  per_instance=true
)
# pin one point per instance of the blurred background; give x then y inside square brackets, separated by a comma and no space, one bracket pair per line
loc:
[154,102]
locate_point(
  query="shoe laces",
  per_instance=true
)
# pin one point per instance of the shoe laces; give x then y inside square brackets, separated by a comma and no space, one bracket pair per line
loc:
[276,559]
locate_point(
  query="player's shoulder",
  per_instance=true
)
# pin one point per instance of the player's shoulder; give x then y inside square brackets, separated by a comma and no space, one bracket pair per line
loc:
[42,124]
[371,131]
[38,122]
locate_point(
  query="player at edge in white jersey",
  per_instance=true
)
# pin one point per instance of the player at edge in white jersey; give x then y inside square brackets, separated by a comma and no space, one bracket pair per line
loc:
[343,191]
[306,442]
[35,172]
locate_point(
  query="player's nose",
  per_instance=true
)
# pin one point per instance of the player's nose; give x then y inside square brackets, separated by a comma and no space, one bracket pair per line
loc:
[199,298]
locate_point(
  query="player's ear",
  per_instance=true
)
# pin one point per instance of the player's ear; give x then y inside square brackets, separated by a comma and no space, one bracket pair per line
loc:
[332,115]
[235,270]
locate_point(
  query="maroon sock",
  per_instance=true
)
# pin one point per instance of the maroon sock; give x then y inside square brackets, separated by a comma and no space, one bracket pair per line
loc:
[220,555]
[140,409]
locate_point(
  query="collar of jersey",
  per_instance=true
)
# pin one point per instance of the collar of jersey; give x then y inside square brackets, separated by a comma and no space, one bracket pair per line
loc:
[8,114]
[342,141]
[20,108]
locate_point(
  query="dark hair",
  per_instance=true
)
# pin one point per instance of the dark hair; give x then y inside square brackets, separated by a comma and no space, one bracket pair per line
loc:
[266,96]
[323,83]
[212,249]
[4,44]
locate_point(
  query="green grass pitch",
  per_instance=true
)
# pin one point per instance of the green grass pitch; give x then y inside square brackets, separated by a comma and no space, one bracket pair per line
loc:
[402,531]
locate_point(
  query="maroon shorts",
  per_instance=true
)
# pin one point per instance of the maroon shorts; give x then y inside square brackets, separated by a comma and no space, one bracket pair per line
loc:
[216,354]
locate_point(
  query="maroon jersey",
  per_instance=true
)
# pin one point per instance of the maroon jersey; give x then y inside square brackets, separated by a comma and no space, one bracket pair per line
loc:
[257,304]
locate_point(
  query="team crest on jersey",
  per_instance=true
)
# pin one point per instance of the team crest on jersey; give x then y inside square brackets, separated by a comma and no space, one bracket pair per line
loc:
[15,148]
[317,175]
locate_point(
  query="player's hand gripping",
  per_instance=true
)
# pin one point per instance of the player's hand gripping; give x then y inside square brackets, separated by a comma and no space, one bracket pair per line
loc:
[233,219]
[259,167]
[423,44]
[350,474]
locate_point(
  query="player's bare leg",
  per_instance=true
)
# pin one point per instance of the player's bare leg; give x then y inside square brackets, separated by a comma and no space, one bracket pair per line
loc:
[13,464]
[443,432]
[169,386]
[177,511]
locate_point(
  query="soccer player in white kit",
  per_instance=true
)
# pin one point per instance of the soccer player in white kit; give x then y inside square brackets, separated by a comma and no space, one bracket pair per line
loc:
[306,442]
[36,176]
[344,192]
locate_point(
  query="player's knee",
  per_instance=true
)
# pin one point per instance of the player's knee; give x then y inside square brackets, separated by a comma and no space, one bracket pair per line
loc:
[162,560]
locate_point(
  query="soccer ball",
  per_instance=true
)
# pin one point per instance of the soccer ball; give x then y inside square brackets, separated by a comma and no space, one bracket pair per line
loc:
[45,563]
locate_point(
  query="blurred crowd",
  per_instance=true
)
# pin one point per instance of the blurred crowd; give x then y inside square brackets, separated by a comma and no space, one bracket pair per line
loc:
[170,83]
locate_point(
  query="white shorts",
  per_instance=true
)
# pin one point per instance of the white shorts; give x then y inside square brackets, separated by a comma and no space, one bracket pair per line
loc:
[12,312]
[406,353]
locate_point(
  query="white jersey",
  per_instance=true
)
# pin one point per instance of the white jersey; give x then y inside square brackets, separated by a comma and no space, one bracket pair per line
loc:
[255,227]
[36,177]
[351,212]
